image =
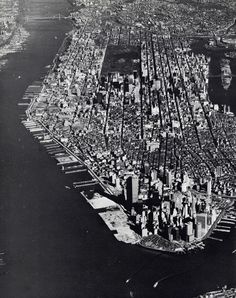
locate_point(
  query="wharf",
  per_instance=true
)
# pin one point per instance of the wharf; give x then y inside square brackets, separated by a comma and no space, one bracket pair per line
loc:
[114,217]
[214,238]
[69,158]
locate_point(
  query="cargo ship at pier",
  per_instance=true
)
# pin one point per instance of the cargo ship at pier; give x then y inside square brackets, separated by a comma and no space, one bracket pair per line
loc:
[223,293]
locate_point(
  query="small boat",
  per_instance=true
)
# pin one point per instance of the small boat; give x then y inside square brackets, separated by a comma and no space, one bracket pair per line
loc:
[155,284]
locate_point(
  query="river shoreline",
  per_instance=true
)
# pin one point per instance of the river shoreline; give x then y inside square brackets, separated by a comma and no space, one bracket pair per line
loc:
[56,245]
[32,111]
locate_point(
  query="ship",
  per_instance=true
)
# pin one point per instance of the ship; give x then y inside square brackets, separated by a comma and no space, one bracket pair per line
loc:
[222,293]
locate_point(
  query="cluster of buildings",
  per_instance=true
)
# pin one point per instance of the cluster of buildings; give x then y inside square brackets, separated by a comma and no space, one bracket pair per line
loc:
[65,104]
[179,215]
[152,134]
[193,17]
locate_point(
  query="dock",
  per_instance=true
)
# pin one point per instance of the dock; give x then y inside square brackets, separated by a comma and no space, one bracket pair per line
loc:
[216,239]
[66,168]
[85,183]
[76,171]
[222,230]
[69,162]
[227,222]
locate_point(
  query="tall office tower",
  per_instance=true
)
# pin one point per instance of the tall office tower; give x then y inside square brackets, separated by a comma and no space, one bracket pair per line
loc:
[209,186]
[218,171]
[189,228]
[202,219]
[198,230]
[188,232]
[169,178]
[154,175]
[132,188]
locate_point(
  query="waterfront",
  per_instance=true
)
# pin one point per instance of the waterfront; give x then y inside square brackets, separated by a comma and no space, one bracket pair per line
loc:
[56,245]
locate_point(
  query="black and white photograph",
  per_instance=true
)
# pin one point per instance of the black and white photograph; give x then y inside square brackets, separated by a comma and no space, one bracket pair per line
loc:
[117,148]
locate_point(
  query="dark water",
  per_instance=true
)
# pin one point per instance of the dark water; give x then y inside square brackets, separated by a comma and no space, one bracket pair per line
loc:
[57,247]
[217,93]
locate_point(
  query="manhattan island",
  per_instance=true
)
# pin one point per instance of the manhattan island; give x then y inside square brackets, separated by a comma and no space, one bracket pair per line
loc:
[127,101]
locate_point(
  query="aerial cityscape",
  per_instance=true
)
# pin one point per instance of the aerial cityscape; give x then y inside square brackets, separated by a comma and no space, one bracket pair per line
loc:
[130,111]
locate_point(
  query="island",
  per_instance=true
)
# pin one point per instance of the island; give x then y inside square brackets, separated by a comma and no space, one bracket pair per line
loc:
[127,102]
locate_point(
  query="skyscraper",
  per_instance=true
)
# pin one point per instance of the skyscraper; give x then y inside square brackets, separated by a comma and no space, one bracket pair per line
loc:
[209,186]
[132,187]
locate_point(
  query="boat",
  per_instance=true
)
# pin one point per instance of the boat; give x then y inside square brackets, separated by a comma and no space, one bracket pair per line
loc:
[224,292]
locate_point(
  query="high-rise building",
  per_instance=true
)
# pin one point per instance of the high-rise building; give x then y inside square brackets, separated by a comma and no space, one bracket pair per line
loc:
[209,219]
[132,189]
[166,207]
[189,228]
[198,230]
[209,186]
[144,232]
[170,234]
[176,234]
[154,174]
[202,219]
[218,171]
[169,178]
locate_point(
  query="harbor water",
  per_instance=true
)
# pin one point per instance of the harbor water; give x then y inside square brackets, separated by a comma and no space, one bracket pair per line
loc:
[55,245]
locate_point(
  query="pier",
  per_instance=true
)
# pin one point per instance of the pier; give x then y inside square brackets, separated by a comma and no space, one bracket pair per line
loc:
[221,230]
[47,18]
[87,183]
[216,239]
[56,147]
[76,171]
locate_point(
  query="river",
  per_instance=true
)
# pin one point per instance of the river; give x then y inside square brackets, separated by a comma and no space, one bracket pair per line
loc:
[56,246]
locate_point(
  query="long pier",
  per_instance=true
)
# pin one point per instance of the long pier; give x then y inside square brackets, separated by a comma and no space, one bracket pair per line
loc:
[55,147]
[47,18]
[81,184]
